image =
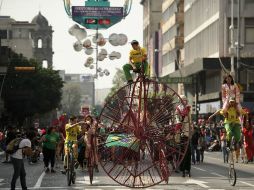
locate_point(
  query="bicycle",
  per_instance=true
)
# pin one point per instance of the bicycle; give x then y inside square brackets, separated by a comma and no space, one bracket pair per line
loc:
[231,172]
[70,172]
[91,159]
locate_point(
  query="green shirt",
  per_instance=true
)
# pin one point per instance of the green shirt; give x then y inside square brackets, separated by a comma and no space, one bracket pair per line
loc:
[51,141]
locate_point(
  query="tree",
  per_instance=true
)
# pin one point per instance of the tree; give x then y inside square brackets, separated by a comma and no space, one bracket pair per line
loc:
[71,98]
[118,82]
[26,93]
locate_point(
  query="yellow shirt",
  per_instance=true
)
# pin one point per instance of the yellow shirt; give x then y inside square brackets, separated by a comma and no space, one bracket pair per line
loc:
[137,55]
[232,116]
[72,133]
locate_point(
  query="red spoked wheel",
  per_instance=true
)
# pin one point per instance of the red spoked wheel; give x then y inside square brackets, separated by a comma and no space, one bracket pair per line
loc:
[147,134]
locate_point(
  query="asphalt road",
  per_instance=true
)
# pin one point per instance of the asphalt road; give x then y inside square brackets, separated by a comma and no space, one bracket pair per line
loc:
[210,175]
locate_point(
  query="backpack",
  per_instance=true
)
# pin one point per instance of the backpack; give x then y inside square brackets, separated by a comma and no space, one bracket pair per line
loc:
[13,146]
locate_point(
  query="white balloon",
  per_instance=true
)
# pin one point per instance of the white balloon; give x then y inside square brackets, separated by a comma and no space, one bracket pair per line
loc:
[80,34]
[122,39]
[90,60]
[73,29]
[86,65]
[101,57]
[118,55]
[113,39]
[107,73]
[78,46]
[89,51]
[104,52]
[87,43]
[101,74]
[91,66]
[99,69]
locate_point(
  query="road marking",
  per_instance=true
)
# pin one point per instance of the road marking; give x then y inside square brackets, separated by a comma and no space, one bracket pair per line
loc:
[217,174]
[38,183]
[246,183]
[199,169]
[197,182]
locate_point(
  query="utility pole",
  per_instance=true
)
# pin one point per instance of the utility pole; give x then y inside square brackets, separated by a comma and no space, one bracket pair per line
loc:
[232,46]
[238,41]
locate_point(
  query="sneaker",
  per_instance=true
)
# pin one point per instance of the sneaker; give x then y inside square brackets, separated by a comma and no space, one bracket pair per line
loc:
[6,161]
[76,164]
[47,170]
[53,171]
[96,168]
[63,172]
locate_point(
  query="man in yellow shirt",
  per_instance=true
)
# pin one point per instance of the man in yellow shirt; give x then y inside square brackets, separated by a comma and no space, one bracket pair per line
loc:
[72,130]
[232,120]
[137,56]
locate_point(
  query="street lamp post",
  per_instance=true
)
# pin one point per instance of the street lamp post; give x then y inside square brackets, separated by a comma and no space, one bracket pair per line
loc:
[232,46]
[238,42]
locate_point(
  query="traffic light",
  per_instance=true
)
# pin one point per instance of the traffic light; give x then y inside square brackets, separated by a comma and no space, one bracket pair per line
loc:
[24,69]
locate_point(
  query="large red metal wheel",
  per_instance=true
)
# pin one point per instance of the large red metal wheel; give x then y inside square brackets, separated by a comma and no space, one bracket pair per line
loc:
[146,135]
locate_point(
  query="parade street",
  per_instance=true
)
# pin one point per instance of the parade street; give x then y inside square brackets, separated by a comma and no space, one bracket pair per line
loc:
[210,175]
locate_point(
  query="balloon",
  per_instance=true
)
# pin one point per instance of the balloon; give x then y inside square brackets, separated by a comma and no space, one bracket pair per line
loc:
[86,64]
[104,52]
[101,57]
[122,39]
[99,70]
[78,46]
[89,60]
[107,73]
[89,51]
[101,41]
[87,43]
[95,39]
[80,34]
[113,39]
[91,66]
[73,29]
[101,74]
[118,55]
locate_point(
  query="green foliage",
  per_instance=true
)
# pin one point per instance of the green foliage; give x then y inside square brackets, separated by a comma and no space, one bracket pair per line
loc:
[118,82]
[26,93]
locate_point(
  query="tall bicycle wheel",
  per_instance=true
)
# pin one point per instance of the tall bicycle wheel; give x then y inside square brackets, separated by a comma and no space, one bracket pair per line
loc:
[91,161]
[72,170]
[68,172]
[231,172]
[146,137]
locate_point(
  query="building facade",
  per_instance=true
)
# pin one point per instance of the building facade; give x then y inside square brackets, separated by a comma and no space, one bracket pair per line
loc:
[33,40]
[172,26]
[87,87]
[151,26]
[206,49]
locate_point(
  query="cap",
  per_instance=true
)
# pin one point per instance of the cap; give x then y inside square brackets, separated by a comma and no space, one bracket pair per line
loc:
[231,99]
[134,42]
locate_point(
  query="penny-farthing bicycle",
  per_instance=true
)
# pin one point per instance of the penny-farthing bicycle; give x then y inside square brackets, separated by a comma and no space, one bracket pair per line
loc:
[146,134]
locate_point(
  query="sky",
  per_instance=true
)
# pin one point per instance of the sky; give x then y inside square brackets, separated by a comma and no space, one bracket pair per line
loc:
[65,58]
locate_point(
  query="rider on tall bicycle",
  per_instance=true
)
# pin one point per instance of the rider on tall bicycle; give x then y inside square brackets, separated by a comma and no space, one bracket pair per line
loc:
[232,120]
[72,129]
[137,56]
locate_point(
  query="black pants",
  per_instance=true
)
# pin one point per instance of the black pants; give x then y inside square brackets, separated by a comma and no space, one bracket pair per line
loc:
[49,155]
[19,171]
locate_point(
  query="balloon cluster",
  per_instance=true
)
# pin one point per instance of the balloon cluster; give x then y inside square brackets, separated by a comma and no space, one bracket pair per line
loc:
[99,40]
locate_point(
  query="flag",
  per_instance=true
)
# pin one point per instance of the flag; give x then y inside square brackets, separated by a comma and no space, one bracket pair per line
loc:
[123,140]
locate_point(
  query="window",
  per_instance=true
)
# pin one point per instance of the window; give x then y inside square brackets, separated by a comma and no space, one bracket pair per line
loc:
[249,35]
[3,34]
[249,30]
[40,43]
[45,64]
